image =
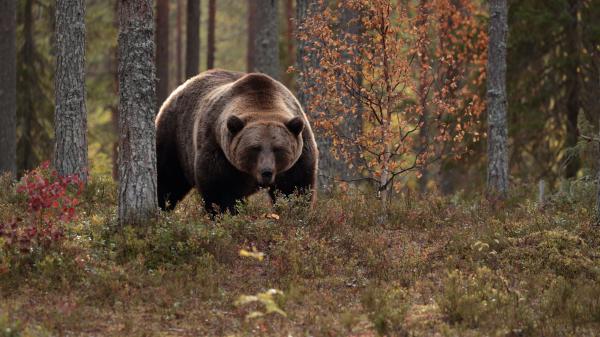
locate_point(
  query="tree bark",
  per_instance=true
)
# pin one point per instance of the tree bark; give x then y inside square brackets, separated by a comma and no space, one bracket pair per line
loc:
[424,134]
[289,15]
[353,124]
[70,120]
[26,158]
[114,109]
[137,107]
[251,29]
[497,175]
[210,56]
[598,187]
[162,50]
[192,50]
[266,41]
[8,87]
[305,61]
[179,75]
[573,162]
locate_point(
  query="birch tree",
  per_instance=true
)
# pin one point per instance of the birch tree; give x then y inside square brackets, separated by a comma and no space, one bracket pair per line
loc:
[137,107]
[367,75]
[70,118]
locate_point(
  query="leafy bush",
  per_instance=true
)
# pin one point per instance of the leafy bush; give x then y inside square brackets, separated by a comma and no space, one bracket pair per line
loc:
[51,203]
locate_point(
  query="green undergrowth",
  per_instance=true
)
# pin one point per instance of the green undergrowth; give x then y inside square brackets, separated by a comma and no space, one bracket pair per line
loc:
[446,266]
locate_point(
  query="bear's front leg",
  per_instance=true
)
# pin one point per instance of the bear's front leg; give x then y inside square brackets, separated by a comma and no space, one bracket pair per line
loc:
[222,195]
[218,204]
[301,178]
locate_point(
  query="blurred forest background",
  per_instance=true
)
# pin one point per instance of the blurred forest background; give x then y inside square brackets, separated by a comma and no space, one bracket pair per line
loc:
[553,83]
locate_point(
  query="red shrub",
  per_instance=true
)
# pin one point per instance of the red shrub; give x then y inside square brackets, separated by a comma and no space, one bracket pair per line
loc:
[51,203]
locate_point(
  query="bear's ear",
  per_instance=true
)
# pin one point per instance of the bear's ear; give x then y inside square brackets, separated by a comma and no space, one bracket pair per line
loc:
[235,124]
[295,125]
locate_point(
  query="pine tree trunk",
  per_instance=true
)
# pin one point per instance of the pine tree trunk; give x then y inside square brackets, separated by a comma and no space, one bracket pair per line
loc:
[162,50]
[114,109]
[266,42]
[192,50]
[289,15]
[353,123]
[70,120]
[573,162]
[497,175]
[137,107]
[210,56]
[251,29]
[304,61]
[179,75]
[598,194]
[8,87]
[26,158]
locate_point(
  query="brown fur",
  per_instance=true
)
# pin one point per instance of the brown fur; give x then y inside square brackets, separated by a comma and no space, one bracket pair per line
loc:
[223,132]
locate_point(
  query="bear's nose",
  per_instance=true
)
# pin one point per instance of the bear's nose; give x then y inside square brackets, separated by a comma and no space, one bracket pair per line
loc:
[266,174]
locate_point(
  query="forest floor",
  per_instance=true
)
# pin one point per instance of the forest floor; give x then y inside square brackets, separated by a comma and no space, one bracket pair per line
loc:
[434,266]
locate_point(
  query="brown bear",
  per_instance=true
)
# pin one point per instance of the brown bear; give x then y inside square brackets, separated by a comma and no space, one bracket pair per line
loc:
[228,134]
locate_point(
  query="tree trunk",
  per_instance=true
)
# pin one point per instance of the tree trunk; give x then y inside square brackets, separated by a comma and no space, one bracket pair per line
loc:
[210,56]
[266,41]
[497,175]
[251,29]
[8,87]
[598,193]
[353,124]
[137,107]
[305,61]
[192,50]
[114,109]
[290,42]
[162,50]
[179,75]
[70,120]
[27,157]
[573,162]
[422,91]
[384,181]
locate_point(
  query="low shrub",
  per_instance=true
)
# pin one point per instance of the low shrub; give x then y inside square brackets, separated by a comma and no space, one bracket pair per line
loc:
[38,226]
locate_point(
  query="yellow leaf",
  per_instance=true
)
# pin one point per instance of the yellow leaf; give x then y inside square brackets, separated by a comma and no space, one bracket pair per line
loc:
[255,254]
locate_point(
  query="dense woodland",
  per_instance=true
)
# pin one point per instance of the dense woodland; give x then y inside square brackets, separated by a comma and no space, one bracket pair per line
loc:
[458,170]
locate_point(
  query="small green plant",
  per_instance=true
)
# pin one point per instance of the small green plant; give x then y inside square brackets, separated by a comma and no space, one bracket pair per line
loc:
[387,309]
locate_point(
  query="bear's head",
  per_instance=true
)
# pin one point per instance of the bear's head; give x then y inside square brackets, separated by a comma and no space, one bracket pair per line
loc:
[262,148]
